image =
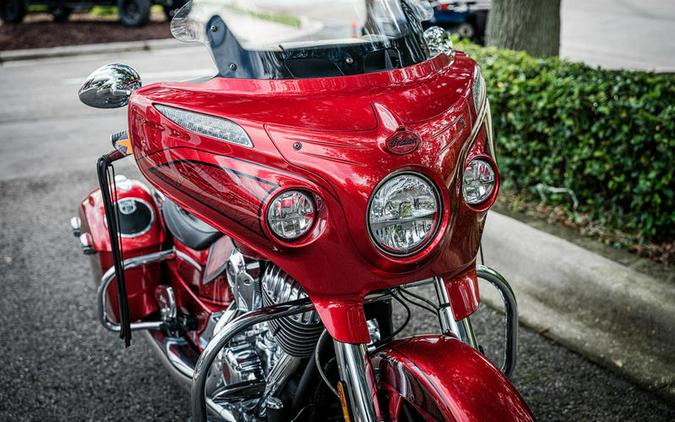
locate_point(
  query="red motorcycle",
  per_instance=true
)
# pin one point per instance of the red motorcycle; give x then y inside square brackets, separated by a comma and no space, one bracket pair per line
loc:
[341,156]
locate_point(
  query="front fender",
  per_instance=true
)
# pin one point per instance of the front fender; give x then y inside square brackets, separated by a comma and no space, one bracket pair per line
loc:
[442,378]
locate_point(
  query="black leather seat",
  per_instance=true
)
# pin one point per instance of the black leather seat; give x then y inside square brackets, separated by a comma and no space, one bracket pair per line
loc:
[188,229]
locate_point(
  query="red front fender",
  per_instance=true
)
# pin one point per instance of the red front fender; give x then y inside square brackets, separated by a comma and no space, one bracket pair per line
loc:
[442,378]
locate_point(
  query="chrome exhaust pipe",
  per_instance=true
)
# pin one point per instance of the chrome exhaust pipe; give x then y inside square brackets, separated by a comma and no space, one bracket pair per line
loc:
[176,354]
[180,358]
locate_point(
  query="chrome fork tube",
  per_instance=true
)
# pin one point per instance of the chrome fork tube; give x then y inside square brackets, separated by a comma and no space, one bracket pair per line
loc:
[356,372]
[461,329]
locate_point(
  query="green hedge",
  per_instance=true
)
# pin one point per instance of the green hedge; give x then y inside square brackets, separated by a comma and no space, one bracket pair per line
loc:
[609,136]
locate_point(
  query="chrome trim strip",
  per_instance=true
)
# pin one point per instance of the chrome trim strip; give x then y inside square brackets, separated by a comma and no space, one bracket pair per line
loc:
[484,111]
[109,276]
[187,258]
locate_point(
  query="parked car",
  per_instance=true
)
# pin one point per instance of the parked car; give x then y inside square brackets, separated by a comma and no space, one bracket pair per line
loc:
[466,18]
[132,13]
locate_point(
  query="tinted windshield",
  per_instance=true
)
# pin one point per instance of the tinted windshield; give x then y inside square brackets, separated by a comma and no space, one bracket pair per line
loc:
[272,39]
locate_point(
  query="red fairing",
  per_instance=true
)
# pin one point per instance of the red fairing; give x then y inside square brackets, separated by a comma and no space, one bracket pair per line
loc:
[444,379]
[331,137]
[463,294]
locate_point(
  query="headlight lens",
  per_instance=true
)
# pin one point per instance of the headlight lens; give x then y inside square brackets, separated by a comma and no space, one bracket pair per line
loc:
[404,214]
[214,127]
[479,181]
[291,215]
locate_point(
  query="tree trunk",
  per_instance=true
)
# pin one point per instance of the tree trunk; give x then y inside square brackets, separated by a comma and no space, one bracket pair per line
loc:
[529,25]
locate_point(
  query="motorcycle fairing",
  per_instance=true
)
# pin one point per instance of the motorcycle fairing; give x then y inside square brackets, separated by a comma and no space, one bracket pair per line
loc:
[462,386]
[340,125]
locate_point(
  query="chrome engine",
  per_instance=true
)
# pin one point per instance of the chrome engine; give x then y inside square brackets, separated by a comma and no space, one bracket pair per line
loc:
[256,364]
[297,335]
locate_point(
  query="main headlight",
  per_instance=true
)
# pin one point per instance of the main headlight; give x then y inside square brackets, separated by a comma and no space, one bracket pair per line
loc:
[404,214]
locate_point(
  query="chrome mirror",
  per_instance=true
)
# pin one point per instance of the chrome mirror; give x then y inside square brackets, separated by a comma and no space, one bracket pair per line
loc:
[439,41]
[109,86]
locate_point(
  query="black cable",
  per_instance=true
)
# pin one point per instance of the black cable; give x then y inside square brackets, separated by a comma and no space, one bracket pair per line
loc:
[391,336]
[383,342]
[432,306]
[118,218]
[482,258]
[317,361]
[103,165]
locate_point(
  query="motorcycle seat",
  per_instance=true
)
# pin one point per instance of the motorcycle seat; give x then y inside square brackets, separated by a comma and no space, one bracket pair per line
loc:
[188,229]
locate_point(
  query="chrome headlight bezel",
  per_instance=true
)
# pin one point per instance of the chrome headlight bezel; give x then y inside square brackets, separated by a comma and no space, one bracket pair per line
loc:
[432,233]
[491,181]
[279,231]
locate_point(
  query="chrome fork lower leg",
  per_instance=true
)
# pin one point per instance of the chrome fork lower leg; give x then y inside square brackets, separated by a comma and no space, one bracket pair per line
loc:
[356,372]
[461,329]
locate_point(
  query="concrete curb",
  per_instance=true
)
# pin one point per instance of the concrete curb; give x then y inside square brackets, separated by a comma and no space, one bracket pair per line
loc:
[88,49]
[612,314]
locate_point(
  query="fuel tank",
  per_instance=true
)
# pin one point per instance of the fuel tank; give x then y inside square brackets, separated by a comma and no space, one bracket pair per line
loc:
[329,137]
[142,233]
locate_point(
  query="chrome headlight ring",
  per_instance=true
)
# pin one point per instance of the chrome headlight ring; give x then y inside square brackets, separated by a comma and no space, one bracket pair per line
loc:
[404,213]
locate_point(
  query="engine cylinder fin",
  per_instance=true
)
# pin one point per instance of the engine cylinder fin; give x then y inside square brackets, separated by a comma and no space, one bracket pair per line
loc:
[297,335]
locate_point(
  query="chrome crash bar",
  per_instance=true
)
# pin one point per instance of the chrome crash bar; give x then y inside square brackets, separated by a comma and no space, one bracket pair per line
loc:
[511,311]
[108,278]
[463,330]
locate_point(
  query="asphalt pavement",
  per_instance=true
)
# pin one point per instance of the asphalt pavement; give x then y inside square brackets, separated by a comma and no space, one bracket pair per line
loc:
[60,365]
[613,34]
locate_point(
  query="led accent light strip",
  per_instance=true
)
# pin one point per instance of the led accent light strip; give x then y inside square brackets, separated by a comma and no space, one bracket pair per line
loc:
[214,127]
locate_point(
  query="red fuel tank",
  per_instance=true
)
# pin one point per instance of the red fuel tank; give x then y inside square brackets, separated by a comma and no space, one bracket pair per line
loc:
[141,233]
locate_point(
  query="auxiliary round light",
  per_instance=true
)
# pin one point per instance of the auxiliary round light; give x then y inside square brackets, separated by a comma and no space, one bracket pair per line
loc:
[291,215]
[479,181]
[404,214]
